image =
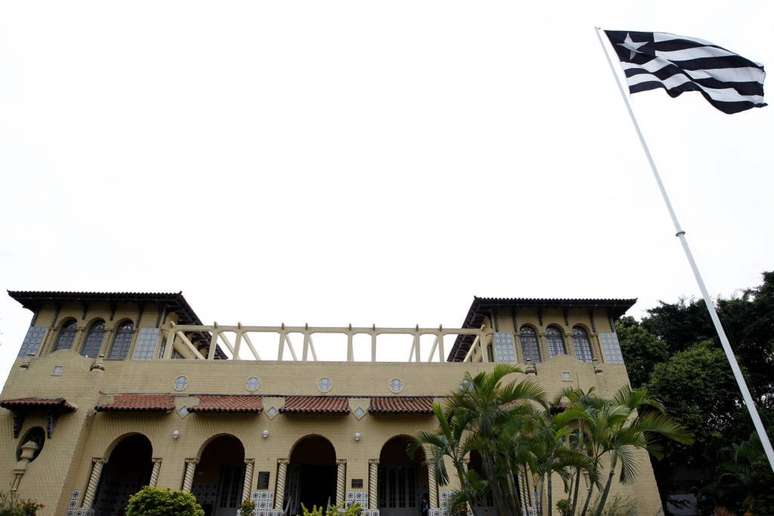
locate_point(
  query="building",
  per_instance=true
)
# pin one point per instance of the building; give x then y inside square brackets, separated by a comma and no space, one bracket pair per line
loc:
[112,391]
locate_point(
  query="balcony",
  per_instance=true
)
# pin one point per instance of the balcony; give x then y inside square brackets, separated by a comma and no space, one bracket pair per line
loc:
[317,343]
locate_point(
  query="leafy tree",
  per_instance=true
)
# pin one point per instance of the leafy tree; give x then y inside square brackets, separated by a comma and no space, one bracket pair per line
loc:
[154,501]
[745,479]
[642,350]
[699,388]
[695,380]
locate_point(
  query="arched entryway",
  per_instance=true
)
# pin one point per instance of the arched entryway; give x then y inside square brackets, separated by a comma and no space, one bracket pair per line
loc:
[127,470]
[311,474]
[220,475]
[402,487]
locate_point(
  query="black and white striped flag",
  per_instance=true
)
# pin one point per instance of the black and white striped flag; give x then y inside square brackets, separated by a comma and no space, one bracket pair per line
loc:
[653,60]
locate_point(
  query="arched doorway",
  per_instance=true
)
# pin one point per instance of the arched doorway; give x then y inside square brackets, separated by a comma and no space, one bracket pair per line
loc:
[311,474]
[220,475]
[402,477]
[127,470]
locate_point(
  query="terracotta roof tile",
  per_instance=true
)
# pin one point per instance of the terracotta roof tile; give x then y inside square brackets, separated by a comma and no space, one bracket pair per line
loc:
[401,405]
[138,402]
[33,403]
[238,403]
[315,405]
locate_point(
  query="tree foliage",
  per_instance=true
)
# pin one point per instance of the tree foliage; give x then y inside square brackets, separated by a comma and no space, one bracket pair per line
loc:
[642,350]
[695,381]
[519,435]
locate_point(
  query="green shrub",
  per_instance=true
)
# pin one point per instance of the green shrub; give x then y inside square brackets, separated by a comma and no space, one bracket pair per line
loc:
[247,508]
[12,505]
[333,510]
[153,501]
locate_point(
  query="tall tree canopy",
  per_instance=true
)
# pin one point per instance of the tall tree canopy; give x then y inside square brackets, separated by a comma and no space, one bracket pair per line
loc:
[675,353]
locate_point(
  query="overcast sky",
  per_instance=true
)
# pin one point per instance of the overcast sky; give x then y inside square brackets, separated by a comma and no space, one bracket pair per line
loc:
[366,162]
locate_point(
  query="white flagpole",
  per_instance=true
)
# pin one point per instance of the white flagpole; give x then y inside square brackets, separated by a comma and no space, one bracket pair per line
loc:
[680,234]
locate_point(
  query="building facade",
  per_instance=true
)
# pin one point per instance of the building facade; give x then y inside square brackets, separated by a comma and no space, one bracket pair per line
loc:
[113,391]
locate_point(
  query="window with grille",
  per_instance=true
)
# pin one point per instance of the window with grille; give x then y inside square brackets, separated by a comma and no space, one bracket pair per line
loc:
[147,343]
[121,342]
[582,344]
[32,341]
[504,350]
[611,348]
[529,344]
[66,336]
[555,341]
[93,340]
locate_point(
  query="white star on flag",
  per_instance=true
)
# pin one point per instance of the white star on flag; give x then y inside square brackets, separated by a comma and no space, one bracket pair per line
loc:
[632,46]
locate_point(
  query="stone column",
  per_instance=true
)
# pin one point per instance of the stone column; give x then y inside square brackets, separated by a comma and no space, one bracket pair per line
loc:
[188,476]
[569,343]
[80,330]
[543,345]
[248,484]
[279,493]
[341,480]
[432,486]
[373,482]
[91,487]
[107,339]
[154,478]
[596,347]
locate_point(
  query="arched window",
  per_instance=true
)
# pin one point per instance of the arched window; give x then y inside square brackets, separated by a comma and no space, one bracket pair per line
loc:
[66,335]
[121,342]
[93,340]
[555,341]
[582,344]
[529,344]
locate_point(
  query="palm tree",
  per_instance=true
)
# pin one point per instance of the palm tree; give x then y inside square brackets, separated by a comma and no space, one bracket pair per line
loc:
[617,429]
[449,441]
[553,454]
[578,400]
[491,406]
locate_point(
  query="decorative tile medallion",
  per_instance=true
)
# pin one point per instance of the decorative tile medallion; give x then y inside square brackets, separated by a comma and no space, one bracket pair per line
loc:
[325,384]
[253,384]
[271,412]
[396,385]
[181,383]
[359,413]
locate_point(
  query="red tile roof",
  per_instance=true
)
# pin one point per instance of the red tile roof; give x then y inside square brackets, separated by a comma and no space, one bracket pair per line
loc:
[315,405]
[401,405]
[60,404]
[138,402]
[238,403]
